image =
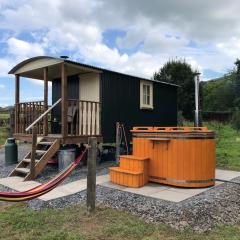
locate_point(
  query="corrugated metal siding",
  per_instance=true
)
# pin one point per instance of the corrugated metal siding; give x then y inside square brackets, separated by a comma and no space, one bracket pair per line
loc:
[73,93]
[121,102]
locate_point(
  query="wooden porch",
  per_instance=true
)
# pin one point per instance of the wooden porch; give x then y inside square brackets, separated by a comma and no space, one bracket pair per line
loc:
[78,120]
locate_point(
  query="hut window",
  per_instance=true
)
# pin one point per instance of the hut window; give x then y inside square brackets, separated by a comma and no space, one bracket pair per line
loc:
[146,95]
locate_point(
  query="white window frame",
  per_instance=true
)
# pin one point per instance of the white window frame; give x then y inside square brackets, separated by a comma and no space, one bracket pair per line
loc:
[144,105]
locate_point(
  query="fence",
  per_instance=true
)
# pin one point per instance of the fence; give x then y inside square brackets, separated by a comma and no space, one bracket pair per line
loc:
[218,116]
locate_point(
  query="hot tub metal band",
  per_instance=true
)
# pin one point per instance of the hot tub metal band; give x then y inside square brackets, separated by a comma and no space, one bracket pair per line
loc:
[183,181]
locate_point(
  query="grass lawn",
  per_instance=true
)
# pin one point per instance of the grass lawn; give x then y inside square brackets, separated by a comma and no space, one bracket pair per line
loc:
[3,135]
[3,130]
[4,115]
[228,146]
[19,222]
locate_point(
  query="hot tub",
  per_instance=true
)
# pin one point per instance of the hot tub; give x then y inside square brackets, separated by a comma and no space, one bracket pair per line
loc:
[179,156]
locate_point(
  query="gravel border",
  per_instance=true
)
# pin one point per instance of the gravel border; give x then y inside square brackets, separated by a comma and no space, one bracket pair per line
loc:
[219,205]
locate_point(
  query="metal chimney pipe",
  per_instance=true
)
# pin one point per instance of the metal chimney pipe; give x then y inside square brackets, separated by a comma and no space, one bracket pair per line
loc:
[196,79]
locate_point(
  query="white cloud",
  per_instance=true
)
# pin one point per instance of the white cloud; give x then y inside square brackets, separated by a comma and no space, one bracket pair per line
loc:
[22,49]
[5,66]
[164,28]
[2,86]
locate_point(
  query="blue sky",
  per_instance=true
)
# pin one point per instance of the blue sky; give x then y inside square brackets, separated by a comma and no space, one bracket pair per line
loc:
[134,36]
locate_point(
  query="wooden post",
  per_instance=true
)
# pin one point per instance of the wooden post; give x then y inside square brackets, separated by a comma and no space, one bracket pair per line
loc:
[11,123]
[64,100]
[45,107]
[33,153]
[91,173]
[17,98]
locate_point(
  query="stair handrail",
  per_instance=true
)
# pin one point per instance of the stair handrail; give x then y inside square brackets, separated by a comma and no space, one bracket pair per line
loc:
[43,115]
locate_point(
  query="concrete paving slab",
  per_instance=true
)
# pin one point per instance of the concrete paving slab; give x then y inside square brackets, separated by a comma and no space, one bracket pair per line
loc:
[193,191]
[11,180]
[171,196]
[146,190]
[71,188]
[170,193]
[55,193]
[112,185]
[102,178]
[17,183]
[226,174]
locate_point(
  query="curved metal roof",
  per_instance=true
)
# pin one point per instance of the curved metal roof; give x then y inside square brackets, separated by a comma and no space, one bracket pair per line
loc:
[54,60]
[29,60]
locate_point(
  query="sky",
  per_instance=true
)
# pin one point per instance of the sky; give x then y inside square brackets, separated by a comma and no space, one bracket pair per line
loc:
[129,36]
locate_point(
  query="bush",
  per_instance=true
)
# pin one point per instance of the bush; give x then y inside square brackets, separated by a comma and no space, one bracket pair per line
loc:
[180,119]
[236,119]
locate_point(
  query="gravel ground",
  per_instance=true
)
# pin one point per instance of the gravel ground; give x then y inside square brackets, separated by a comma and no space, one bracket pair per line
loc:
[50,170]
[218,205]
[23,149]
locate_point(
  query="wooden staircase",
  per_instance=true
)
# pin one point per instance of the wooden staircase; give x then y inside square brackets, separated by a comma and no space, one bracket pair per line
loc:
[44,150]
[132,172]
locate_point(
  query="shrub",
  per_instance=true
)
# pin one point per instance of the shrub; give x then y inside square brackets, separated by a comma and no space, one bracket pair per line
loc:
[236,119]
[180,118]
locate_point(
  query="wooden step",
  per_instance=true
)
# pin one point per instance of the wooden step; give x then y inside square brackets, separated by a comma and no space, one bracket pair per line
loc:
[28,160]
[127,178]
[45,143]
[23,170]
[118,169]
[43,157]
[41,152]
[134,163]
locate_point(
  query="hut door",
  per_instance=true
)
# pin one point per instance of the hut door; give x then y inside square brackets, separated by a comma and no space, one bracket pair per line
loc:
[89,91]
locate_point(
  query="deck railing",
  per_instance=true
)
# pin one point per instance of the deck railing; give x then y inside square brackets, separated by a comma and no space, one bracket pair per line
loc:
[26,114]
[84,118]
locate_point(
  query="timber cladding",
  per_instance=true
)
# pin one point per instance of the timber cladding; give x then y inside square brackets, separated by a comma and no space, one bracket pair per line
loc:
[120,96]
[120,102]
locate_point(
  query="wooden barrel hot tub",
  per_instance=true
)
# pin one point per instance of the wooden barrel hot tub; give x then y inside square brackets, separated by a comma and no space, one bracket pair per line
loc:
[179,156]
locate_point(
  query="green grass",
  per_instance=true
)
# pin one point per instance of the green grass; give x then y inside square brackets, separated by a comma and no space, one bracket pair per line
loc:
[3,135]
[228,146]
[3,130]
[4,115]
[19,222]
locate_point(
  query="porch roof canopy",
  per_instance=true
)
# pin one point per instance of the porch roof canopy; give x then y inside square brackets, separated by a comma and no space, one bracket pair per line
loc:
[33,68]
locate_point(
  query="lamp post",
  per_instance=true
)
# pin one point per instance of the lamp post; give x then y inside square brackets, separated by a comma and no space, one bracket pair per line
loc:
[197,79]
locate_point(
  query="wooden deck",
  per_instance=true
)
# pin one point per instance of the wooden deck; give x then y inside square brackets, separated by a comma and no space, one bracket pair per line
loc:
[66,140]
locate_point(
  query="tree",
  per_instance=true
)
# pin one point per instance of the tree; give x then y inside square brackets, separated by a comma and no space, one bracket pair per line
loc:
[179,72]
[223,94]
[237,85]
